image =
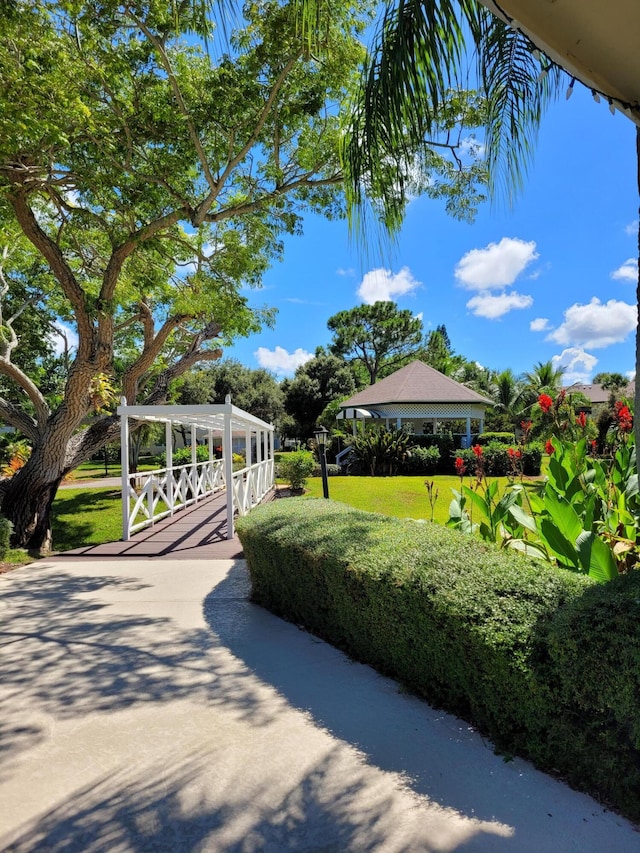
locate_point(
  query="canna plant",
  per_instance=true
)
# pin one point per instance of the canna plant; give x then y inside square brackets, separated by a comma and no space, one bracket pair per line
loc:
[585,516]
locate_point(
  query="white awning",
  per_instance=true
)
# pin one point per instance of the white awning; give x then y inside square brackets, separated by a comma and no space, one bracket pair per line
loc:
[354,414]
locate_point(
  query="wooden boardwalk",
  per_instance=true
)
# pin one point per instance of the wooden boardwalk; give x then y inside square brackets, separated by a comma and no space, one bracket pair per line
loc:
[198,532]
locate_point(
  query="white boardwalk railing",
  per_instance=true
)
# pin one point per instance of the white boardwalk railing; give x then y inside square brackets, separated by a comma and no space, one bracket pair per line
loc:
[154,495]
[251,484]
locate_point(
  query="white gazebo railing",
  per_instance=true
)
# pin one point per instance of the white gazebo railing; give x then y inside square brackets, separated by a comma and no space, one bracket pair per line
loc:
[152,495]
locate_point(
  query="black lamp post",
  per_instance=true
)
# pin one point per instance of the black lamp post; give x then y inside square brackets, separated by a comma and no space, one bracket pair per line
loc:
[320,434]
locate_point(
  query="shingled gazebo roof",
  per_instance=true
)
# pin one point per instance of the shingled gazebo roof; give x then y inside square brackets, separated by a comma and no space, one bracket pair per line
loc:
[415,383]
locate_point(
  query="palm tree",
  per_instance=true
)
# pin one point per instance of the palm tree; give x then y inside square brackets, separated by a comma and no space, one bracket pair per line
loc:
[507,394]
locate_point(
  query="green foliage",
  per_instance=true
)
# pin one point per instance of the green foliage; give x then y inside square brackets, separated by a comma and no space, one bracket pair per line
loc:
[498,460]
[381,452]
[380,337]
[5,533]
[423,460]
[545,663]
[182,456]
[316,383]
[255,391]
[585,515]
[507,438]
[445,444]
[296,468]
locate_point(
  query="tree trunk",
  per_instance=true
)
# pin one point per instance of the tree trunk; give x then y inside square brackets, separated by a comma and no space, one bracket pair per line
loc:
[26,498]
[27,501]
[636,419]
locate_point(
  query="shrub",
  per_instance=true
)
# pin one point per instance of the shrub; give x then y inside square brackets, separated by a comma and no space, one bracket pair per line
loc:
[444,443]
[423,460]
[296,468]
[497,462]
[381,451]
[182,456]
[507,438]
[6,529]
[532,459]
[540,659]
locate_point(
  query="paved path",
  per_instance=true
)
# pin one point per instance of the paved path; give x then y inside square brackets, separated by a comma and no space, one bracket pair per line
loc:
[147,705]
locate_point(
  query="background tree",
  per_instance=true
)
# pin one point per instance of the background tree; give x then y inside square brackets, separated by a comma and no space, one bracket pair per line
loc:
[316,383]
[152,178]
[256,391]
[614,382]
[380,337]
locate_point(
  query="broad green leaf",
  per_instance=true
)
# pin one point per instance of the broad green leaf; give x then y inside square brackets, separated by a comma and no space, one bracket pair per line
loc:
[596,557]
[563,515]
[558,543]
[523,518]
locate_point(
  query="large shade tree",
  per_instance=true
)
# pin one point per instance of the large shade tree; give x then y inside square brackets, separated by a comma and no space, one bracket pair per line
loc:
[148,170]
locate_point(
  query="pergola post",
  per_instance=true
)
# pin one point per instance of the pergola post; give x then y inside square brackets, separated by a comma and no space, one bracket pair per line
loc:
[468,432]
[124,461]
[227,452]
[168,443]
[247,447]
[194,459]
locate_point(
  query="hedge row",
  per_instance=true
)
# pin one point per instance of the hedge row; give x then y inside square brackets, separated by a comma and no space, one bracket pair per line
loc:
[544,661]
[498,463]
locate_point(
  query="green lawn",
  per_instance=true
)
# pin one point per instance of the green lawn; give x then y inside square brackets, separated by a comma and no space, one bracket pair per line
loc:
[93,470]
[403,497]
[86,517]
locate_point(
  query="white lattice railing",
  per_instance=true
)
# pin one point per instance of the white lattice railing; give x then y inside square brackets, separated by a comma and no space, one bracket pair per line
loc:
[156,494]
[251,484]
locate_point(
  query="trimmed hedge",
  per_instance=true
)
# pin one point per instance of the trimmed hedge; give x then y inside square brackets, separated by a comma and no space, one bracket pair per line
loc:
[544,661]
[497,462]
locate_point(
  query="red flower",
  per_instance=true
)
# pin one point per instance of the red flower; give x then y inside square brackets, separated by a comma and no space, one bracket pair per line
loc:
[518,454]
[525,426]
[624,417]
[511,452]
[549,448]
[477,449]
[545,402]
[460,466]
[581,420]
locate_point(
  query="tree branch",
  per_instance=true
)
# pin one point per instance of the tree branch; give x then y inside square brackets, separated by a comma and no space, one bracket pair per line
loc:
[18,419]
[22,380]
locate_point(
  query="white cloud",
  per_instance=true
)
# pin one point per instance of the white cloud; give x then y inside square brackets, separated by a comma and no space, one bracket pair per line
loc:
[497,265]
[539,324]
[349,272]
[419,316]
[63,333]
[280,360]
[382,285]
[493,306]
[630,374]
[632,228]
[577,364]
[628,271]
[596,325]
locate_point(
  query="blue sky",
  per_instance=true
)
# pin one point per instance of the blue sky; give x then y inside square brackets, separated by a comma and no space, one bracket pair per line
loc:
[552,278]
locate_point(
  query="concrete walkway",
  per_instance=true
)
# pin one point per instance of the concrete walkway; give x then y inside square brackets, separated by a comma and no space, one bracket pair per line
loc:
[147,705]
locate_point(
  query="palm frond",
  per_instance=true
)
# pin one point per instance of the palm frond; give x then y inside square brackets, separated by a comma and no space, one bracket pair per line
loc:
[518,89]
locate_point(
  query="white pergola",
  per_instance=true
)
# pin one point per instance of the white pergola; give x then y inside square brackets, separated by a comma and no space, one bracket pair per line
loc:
[153,495]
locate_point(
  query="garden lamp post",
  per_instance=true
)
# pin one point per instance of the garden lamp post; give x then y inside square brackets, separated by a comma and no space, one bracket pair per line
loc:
[320,434]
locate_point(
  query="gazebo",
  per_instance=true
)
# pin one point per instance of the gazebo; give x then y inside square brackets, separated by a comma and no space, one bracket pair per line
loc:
[421,396]
[151,495]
